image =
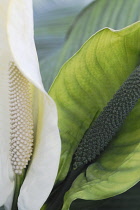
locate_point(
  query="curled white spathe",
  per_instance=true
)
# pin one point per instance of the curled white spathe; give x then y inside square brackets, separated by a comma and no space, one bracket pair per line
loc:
[17,45]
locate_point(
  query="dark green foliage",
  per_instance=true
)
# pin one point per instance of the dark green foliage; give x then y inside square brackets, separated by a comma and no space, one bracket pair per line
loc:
[99,134]
[125,201]
[109,121]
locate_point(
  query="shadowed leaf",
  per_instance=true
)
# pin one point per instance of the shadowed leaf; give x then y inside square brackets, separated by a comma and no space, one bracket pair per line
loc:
[82,88]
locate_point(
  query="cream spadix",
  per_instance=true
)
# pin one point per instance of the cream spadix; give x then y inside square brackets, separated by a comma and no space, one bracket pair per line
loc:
[28,116]
[21,119]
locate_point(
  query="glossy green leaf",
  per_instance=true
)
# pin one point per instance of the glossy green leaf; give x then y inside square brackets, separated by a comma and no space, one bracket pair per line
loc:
[82,88]
[87,205]
[99,14]
[52,20]
[128,200]
[51,25]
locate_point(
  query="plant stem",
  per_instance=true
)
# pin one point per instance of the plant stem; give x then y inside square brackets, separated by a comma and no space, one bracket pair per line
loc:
[19,181]
[55,201]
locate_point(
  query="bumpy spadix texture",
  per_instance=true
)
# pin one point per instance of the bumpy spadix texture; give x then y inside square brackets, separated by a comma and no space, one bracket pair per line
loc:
[21,119]
[109,121]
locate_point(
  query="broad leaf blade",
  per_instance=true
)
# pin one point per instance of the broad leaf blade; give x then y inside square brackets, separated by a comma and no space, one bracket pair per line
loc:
[52,20]
[128,200]
[82,88]
[99,14]
[51,26]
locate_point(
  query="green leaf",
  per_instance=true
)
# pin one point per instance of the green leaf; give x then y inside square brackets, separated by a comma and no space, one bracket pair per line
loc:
[82,88]
[52,20]
[128,200]
[51,27]
[86,205]
[99,14]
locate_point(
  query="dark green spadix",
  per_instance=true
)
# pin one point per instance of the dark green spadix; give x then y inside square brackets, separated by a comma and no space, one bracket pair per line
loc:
[109,121]
[100,134]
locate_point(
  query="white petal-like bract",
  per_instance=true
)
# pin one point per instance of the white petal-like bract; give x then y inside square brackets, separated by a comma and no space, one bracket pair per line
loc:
[17,46]
[6,172]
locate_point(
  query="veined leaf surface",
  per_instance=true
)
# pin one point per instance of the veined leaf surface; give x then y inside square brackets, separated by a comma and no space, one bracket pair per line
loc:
[99,14]
[82,88]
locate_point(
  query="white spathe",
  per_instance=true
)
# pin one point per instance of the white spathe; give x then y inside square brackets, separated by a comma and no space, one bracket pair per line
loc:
[17,45]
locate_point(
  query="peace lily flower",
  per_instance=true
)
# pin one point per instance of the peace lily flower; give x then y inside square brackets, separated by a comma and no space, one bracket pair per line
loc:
[28,116]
